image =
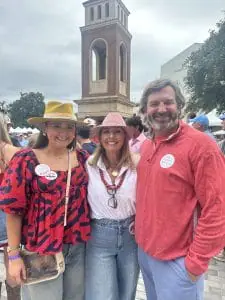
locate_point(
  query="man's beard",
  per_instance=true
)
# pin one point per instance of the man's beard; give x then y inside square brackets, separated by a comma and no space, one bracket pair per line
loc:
[170,123]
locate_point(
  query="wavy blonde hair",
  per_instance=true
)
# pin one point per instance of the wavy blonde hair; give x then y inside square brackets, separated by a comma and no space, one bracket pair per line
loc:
[125,154]
[4,136]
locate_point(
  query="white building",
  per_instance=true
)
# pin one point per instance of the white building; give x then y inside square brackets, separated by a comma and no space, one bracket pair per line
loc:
[174,68]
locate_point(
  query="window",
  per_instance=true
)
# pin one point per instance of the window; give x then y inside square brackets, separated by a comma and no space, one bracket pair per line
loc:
[118,12]
[99,12]
[125,21]
[123,64]
[92,14]
[107,10]
[121,17]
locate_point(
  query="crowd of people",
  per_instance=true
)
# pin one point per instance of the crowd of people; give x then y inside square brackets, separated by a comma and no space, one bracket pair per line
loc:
[106,201]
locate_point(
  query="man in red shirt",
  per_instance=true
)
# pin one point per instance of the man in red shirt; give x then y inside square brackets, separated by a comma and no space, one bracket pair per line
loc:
[180,218]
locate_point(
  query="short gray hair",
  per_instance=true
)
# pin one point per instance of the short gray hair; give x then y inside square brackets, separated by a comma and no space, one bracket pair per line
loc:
[156,86]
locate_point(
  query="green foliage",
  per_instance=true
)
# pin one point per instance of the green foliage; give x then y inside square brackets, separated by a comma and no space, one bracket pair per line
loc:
[29,105]
[205,80]
[4,107]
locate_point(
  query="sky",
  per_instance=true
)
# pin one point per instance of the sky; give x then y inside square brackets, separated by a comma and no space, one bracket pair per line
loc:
[40,42]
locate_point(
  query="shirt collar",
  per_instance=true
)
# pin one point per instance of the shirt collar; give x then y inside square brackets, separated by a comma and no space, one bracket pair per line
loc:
[100,164]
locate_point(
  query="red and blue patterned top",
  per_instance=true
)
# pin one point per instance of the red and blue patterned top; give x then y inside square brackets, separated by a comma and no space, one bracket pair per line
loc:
[42,203]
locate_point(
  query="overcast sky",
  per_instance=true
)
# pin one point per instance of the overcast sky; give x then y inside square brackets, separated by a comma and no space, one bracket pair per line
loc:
[40,41]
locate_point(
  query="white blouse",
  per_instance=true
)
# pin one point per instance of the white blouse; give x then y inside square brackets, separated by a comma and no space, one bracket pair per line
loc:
[98,196]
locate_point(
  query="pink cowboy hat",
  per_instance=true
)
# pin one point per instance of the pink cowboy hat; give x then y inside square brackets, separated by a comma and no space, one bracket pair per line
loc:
[113,119]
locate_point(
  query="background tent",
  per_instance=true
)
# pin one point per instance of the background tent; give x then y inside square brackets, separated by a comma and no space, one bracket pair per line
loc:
[213,118]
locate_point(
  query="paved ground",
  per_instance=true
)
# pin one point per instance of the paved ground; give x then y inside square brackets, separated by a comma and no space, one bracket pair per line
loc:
[214,283]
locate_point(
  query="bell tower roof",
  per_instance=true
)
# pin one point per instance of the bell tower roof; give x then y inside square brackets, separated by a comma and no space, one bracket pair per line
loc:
[101,12]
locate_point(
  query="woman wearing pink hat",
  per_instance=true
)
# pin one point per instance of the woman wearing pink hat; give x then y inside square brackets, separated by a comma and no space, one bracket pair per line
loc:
[111,255]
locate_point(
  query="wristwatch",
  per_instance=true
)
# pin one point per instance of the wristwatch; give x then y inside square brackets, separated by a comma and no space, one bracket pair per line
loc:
[9,249]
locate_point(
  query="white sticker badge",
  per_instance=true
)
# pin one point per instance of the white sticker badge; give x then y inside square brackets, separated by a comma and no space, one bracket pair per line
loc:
[167,161]
[52,175]
[42,170]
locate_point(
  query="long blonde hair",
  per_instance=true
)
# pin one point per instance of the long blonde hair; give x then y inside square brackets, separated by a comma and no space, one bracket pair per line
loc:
[4,136]
[125,154]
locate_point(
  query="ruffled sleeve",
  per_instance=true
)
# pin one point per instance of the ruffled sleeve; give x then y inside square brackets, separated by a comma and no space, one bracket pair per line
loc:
[14,189]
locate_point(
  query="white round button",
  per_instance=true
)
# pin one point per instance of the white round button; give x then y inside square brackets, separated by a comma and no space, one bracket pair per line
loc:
[167,161]
[52,175]
[42,170]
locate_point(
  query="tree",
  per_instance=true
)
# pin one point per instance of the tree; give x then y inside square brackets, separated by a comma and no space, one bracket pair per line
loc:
[29,105]
[4,107]
[205,80]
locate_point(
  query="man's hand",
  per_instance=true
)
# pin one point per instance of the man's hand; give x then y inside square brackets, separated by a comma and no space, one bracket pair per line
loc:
[193,277]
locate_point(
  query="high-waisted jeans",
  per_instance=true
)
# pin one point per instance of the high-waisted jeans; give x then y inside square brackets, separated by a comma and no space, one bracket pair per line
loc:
[111,261]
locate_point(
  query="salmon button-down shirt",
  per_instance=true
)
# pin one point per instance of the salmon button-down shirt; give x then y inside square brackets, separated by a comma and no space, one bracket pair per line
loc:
[175,177]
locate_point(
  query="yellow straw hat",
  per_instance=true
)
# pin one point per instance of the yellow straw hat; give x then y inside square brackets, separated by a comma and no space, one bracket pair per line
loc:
[55,110]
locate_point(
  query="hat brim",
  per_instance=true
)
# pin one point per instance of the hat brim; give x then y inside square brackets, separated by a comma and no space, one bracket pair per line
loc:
[97,128]
[40,121]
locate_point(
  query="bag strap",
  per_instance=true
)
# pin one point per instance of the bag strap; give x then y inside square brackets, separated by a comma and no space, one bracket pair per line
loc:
[67,187]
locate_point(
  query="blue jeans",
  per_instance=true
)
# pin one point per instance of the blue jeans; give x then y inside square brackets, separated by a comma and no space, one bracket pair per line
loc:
[68,286]
[3,234]
[111,261]
[168,280]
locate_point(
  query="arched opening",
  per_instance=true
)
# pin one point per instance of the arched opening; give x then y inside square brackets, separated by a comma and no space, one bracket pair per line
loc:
[98,56]
[94,65]
[123,63]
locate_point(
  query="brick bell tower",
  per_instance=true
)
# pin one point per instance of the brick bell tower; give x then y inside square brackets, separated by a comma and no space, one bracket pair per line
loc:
[106,54]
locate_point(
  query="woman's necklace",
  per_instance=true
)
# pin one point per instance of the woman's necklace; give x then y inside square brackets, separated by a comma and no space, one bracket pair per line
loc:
[112,188]
[114,172]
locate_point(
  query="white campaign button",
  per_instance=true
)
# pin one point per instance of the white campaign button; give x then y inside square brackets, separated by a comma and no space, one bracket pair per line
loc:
[52,175]
[42,169]
[167,161]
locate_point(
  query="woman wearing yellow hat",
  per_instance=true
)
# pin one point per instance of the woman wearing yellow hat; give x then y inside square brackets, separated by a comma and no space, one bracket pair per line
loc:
[44,194]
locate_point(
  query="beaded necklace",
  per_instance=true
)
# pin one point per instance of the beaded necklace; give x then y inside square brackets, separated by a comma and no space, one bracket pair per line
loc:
[112,188]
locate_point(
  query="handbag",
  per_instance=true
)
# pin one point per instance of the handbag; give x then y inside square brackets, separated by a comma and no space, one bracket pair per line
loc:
[40,268]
